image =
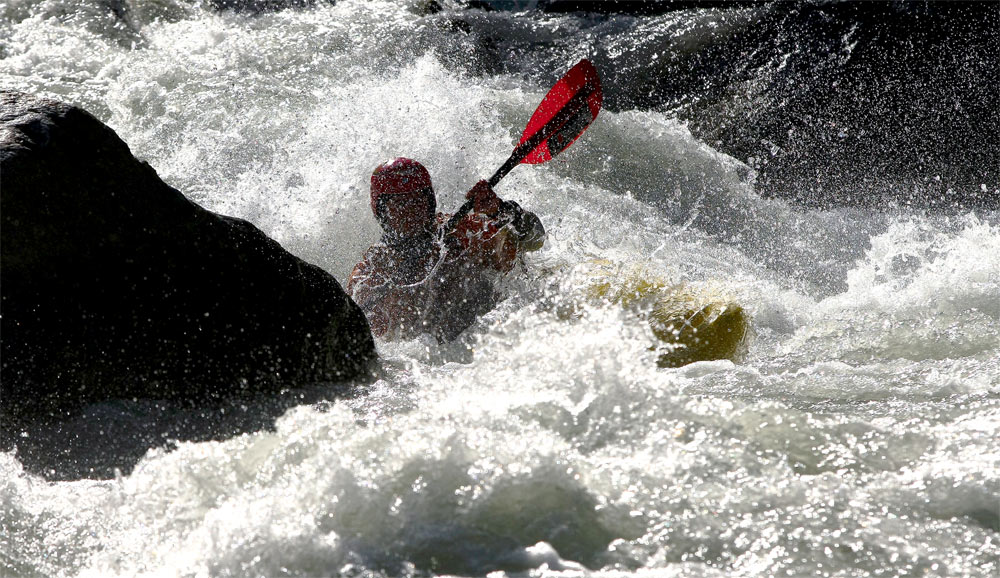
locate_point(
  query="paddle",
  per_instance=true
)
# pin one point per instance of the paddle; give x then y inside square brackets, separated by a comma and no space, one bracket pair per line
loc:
[565,112]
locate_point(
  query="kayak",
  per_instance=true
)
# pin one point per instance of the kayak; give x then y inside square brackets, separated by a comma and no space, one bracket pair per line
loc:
[691,323]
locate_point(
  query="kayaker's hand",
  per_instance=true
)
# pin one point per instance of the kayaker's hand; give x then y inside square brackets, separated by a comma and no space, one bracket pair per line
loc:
[485,201]
[527,227]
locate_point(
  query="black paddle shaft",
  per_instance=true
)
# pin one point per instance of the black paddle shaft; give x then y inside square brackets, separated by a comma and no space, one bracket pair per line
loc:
[568,117]
[570,110]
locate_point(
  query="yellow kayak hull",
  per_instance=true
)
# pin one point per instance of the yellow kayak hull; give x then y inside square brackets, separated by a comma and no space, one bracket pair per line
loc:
[690,323]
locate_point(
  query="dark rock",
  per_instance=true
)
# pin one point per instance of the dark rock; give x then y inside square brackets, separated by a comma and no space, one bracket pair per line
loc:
[842,102]
[832,103]
[114,285]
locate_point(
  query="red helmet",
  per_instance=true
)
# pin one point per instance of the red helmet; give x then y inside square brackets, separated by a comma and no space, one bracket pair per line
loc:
[399,177]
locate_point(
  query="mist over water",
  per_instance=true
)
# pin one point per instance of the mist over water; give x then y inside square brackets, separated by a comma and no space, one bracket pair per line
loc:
[857,438]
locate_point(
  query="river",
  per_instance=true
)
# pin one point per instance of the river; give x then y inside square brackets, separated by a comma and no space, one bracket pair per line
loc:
[858,437]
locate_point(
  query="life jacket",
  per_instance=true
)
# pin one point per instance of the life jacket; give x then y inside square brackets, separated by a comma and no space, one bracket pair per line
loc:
[433,283]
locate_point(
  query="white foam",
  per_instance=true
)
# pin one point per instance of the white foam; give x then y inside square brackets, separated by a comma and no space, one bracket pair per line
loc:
[925,290]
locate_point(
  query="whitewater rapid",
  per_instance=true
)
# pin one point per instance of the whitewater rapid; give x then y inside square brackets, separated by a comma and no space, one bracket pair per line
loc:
[857,438]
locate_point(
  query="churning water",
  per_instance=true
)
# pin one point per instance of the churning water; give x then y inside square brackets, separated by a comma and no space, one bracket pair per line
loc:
[857,438]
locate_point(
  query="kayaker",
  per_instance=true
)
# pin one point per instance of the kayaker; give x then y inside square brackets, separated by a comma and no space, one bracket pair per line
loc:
[423,278]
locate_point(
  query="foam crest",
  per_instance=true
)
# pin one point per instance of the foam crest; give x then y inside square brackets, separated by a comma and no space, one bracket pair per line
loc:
[925,290]
[654,158]
[917,264]
[442,490]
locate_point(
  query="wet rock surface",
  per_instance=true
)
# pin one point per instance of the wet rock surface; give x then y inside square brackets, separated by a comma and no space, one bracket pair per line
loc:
[115,285]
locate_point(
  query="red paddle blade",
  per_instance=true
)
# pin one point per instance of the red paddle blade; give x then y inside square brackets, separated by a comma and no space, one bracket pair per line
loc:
[576,98]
